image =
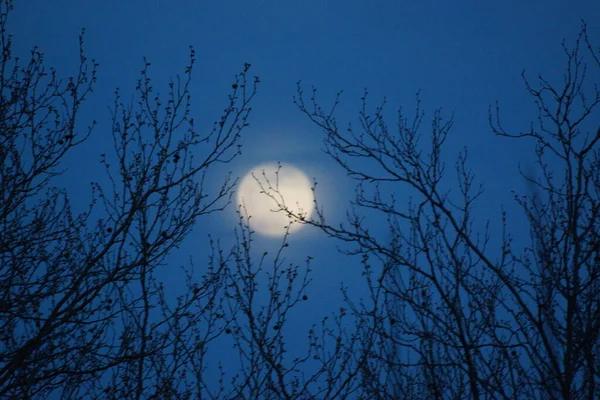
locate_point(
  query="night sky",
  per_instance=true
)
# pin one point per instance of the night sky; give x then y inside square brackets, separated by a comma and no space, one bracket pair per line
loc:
[462,56]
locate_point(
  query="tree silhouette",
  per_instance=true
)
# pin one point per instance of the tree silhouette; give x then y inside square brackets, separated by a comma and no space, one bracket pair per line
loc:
[450,315]
[82,314]
[452,311]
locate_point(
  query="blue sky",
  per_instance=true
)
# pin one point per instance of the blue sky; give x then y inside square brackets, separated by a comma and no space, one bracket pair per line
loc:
[462,55]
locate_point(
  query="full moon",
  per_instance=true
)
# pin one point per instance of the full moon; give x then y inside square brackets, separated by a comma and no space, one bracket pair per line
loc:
[287,185]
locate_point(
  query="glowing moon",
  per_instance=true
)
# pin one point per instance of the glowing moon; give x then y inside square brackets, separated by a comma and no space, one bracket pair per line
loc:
[288,186]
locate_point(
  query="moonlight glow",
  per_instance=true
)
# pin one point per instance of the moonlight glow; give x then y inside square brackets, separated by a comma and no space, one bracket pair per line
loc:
[287,185]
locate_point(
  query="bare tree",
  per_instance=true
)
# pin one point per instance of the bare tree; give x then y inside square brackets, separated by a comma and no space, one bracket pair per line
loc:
[452,314]
[262,292]
[81,311]
[453,311]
